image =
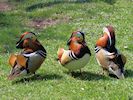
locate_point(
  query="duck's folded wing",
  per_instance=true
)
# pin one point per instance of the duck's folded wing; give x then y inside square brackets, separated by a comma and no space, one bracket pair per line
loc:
[65,57]
[12,60]
[21,60]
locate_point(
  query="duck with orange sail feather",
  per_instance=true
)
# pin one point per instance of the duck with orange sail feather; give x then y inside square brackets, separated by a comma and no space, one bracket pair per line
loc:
[78,54]
[108,57]
[30,59]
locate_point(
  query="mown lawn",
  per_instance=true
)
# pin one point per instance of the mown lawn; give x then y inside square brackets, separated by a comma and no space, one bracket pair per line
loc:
[54,20]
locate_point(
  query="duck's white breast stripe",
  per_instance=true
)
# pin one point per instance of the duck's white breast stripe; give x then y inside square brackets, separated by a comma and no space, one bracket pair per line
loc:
[97,49]
[43,54]
[40,52]
[72,55]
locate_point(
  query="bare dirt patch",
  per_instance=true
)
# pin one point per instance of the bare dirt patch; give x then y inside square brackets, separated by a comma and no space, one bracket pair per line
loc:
[5,6]
[44,23]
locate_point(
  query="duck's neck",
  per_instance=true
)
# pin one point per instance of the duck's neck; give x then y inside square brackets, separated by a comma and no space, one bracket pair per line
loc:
[75,46]
[34,46]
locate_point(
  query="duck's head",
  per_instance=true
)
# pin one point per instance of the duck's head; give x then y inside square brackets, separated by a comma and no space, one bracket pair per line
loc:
[27,35]
[109,30]
[76,36]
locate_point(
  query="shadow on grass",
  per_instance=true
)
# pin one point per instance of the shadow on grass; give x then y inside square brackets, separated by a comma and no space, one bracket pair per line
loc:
[128,73]
[48,4]
[38,77]
[88,76]
[16,0]
[93,76]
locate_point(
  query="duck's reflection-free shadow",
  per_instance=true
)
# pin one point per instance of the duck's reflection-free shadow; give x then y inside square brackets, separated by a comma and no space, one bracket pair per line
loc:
[38,77]
[88,76]
[129,73]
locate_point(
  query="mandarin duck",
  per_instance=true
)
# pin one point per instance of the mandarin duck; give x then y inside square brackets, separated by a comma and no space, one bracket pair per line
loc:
[30,59]
[78,54]
[107,56]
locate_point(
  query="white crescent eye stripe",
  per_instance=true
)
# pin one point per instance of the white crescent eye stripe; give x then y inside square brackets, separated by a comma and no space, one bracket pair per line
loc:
[108,33]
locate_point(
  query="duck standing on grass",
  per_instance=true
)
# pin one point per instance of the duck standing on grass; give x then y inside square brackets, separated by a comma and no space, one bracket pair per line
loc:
[30,59]
[108,57]
[78,54]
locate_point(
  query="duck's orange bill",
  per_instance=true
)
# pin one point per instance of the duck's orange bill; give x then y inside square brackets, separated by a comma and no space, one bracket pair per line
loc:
[12,59]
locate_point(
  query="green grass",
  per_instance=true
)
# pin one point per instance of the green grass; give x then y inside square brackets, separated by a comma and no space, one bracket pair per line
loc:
[53,82]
